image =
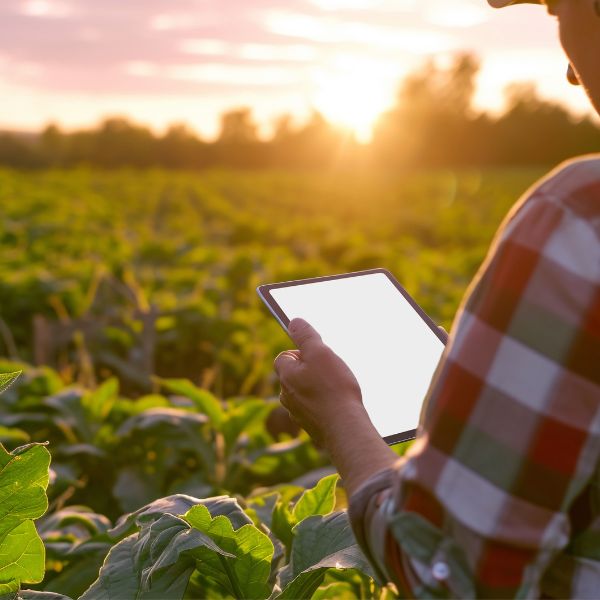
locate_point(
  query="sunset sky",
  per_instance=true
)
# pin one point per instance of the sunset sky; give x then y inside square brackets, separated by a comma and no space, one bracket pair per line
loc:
[164,61]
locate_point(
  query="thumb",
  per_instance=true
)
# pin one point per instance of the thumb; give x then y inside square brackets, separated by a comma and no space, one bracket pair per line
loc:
[284,362]
[304,335]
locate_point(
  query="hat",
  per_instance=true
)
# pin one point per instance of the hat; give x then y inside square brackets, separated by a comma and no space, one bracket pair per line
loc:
[503,3]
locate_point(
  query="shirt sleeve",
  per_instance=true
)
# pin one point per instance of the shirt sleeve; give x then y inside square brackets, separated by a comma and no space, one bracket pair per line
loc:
[510,432]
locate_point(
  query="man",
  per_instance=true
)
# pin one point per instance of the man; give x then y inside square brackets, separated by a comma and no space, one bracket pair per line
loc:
[499,496]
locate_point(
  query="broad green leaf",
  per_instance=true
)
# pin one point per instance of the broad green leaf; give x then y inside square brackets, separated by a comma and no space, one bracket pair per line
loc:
[125,567]
[23,482]
[246,575]
[320,543]
[179,504]
[282,520]
[7,379]
[167,550]
[319,500]
[22,555]
[118,574]
[80,518]
[282,523]
[176,504]
[153,564]
[204,401]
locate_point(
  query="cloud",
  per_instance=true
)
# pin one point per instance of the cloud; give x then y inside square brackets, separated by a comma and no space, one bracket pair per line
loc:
[234,75]
[46,9]
[335,31]
[269,51]
[388,6]
[206,47]
[300,53]
[458,13]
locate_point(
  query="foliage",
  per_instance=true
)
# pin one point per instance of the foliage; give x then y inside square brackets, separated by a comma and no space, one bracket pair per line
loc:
[171,546]
[182,547]
[6,379]
[154,274]
[157,396]
[137,451]
[23,482]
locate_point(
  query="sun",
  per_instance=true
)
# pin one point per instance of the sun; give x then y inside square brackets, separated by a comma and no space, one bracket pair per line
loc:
[353,98]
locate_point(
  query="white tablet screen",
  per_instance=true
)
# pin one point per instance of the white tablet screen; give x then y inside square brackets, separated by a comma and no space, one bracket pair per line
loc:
[388,346]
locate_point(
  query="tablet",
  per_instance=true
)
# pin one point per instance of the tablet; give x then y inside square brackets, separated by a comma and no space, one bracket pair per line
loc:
[370,321]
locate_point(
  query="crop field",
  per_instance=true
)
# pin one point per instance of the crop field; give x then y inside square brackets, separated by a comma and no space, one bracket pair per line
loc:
[127,300]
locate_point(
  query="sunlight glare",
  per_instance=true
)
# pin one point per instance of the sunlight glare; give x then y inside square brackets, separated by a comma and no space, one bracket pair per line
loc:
[354,98]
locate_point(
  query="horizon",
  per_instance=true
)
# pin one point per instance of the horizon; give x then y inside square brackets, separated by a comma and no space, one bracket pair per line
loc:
[73,62]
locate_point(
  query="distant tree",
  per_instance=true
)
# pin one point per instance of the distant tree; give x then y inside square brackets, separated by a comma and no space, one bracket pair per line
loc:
[238,127]
[314,144]
[238,144]
[181,148]
[434,106]
[283,129]
[433,123]
[533,129]
[16,152]
[52,145]
[120,143]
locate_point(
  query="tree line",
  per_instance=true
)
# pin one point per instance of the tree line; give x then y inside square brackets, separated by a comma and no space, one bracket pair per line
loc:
[433,123]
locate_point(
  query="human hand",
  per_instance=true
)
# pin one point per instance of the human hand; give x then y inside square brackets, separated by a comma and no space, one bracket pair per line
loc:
[317,387]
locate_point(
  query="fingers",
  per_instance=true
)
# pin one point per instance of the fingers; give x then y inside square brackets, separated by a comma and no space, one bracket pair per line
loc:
[284,397]
[304,335]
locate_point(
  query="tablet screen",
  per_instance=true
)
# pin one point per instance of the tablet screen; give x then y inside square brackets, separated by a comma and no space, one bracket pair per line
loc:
[372,326]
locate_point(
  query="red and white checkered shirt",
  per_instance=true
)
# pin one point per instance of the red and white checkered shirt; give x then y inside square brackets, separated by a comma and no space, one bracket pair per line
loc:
[499,496]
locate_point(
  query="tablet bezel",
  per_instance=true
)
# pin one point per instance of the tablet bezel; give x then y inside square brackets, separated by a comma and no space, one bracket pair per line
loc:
[264,292]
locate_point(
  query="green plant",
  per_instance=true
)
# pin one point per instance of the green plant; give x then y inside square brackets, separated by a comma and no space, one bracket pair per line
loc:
[184,547]
[23,483]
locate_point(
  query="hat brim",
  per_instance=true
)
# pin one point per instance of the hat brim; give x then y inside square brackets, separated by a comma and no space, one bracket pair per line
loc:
[503,3]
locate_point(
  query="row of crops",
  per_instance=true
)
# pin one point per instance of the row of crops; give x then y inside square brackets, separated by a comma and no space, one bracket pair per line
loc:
[146,455]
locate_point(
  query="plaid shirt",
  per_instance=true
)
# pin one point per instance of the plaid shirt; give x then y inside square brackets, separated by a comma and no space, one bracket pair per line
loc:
[499,496]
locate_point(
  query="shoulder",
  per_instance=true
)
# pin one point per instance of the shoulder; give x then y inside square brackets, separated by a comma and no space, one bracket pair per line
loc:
[559,218]
[575,186]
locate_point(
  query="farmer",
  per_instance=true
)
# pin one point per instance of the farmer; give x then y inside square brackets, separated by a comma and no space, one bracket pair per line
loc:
[499,496]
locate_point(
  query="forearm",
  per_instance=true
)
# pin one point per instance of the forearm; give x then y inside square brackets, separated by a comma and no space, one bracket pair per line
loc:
[356,449]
